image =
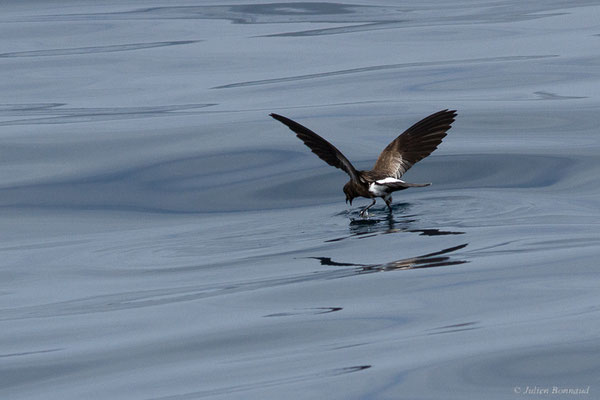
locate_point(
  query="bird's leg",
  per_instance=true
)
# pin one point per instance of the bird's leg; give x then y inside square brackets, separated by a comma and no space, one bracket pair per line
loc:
[388,201]
[364,211]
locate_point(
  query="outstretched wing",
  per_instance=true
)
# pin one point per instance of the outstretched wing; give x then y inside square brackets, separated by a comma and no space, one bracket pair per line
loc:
[416,143]
[321,147]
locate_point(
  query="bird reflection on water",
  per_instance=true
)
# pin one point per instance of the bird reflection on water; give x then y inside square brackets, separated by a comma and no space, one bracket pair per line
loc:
[362,228]
[436,259]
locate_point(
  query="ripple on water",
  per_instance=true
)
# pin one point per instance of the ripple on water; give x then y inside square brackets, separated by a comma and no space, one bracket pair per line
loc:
[254,180]
[508,373]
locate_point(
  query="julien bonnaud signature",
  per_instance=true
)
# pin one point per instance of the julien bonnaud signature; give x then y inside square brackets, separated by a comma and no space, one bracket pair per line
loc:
[551,390]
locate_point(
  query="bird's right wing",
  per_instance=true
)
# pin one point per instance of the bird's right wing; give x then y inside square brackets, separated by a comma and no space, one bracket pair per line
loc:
[321,147]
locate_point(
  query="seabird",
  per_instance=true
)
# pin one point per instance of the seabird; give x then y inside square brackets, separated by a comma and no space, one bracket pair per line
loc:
[416,143]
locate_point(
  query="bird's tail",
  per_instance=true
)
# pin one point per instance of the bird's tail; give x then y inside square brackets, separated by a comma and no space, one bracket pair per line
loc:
[405,185]
[416,184]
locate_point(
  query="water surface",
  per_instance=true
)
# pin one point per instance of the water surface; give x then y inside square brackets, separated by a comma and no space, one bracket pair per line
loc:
[163,238]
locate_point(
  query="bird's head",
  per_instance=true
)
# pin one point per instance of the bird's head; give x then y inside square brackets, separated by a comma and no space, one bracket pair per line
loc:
[349,191]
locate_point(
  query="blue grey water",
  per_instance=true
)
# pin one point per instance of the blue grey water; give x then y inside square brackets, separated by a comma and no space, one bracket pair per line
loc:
[163,238]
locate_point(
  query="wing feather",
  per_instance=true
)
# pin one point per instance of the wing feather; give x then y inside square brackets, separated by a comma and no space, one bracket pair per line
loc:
[416,143]
[321,147]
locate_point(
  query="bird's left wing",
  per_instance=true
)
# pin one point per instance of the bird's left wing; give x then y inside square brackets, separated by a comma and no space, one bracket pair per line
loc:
[416,143]
[321,147]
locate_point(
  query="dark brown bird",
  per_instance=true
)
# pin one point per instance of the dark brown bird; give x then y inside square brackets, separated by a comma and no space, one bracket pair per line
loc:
[416,143]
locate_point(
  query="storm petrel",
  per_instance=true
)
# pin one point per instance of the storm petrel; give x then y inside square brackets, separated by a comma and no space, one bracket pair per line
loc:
[416,143]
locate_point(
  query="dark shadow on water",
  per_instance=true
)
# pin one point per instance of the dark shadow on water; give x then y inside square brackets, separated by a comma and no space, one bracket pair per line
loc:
[437,259]
[306,311]
[94,49]
[460,327]
[317,374]
[380,67]
[434,232]
[55,113]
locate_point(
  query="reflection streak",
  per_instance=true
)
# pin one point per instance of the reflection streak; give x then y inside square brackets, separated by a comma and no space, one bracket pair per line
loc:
[425,261]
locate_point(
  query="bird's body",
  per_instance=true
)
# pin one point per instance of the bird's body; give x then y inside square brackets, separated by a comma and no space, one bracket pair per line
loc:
[416,143]
[373,185]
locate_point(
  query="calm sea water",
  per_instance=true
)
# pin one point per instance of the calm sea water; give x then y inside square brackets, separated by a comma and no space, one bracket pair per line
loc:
[163,238]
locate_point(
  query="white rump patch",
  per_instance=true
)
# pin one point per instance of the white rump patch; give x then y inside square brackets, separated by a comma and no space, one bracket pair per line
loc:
[388,180]
[380,188]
